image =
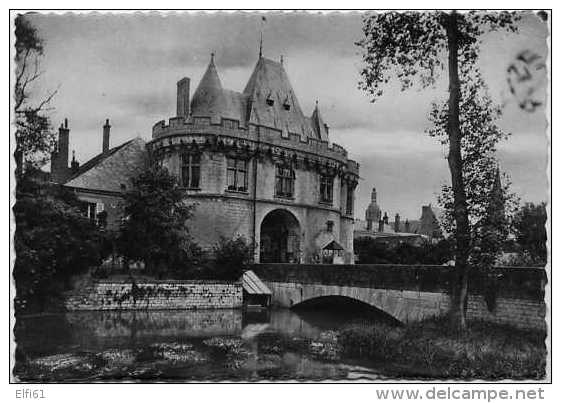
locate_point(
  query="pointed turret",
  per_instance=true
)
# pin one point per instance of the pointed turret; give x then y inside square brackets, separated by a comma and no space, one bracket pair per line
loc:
[208,100]
[497,200]
[319,126]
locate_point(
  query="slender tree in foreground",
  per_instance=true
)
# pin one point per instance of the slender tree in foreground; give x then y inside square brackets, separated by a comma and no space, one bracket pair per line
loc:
[414,47]
[490,202]
[34,139]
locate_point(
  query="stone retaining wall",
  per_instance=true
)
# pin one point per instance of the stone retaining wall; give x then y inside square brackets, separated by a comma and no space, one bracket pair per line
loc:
[142,295]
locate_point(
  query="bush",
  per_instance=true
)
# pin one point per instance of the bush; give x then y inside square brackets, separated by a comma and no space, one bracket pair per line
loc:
[53,242]
[231,258]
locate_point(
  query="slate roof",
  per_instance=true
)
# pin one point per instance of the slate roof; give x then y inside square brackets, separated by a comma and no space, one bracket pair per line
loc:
[268,84]
[209,99]
[107,172]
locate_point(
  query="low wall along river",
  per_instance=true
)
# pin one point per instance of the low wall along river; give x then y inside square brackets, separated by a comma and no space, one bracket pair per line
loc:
[142,295]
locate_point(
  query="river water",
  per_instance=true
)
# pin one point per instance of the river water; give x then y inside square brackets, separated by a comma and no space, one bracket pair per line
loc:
[179,346]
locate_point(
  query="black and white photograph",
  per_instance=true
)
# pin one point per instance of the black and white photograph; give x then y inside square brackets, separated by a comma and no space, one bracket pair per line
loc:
[289,196]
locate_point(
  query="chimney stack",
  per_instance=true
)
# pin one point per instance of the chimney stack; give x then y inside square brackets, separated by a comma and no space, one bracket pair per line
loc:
[74,164]
[183,97]
[396,223]
[386,218]
[106,132]
[59,158]
[407,226]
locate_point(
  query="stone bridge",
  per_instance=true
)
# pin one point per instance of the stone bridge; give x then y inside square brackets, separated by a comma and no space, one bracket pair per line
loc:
[513,296]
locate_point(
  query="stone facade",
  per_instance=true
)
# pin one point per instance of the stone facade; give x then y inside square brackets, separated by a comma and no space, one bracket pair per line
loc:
[267,138]
[142,295]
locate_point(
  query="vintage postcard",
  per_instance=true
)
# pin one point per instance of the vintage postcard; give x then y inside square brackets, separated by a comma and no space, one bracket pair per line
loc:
[280,196]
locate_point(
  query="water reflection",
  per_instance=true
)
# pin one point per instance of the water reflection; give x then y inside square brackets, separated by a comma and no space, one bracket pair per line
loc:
[182,346]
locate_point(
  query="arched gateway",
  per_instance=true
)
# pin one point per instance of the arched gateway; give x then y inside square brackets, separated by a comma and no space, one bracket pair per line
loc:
[280,238]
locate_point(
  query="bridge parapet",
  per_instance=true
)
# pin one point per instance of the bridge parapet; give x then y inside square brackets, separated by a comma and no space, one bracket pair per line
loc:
[506,295]
[519,282]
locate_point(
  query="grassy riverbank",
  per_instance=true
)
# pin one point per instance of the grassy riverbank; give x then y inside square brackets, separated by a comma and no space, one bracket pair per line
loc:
[430,349]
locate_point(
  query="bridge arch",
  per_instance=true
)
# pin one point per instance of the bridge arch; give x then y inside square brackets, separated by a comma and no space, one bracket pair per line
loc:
[340,305]
[404,306]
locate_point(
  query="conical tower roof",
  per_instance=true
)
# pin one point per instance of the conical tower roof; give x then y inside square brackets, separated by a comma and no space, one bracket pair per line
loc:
[208,99]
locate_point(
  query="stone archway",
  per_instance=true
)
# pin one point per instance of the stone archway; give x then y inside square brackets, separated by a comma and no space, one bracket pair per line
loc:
[280,238]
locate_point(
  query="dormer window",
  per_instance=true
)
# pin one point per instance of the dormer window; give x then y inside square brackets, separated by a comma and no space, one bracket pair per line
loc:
[286,105]
[270,101]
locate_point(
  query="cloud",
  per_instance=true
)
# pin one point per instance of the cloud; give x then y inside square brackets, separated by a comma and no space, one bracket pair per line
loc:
[125,67]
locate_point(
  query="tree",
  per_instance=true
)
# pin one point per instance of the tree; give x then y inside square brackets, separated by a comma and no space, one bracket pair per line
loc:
[371,251]
[231,258]
[530,231]
[34,139]
[411,45]
[154,229]
[53,242]
[489,200]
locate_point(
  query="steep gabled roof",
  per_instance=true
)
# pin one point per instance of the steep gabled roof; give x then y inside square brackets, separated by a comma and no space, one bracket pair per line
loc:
[269,90]
[107,172]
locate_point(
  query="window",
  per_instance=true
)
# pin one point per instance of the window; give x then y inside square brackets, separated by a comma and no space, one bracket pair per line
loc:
[270,101]
[191,170]
[95,212]
[284,186]
[326,189]
[237,174]
[349,207]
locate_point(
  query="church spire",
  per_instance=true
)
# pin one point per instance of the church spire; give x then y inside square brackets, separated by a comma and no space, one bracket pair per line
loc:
[263,21]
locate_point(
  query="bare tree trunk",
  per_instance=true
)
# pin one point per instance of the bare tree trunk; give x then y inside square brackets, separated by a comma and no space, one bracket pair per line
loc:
[18,156]
[459,297]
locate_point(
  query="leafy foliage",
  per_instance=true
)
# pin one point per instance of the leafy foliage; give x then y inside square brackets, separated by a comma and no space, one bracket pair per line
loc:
[489,201]
[154,229]
[531,235]
[53,242]
[410,46]
[371,252]
[231,258]
[34,139]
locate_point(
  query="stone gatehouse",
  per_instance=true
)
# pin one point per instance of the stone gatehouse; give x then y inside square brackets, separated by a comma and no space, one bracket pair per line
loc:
[252,162]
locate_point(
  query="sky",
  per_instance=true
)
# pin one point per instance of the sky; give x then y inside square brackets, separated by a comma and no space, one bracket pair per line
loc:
[125,67]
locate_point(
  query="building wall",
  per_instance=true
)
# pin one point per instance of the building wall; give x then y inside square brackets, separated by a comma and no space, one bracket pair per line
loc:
[112,204]
[123,295]
[220,212]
